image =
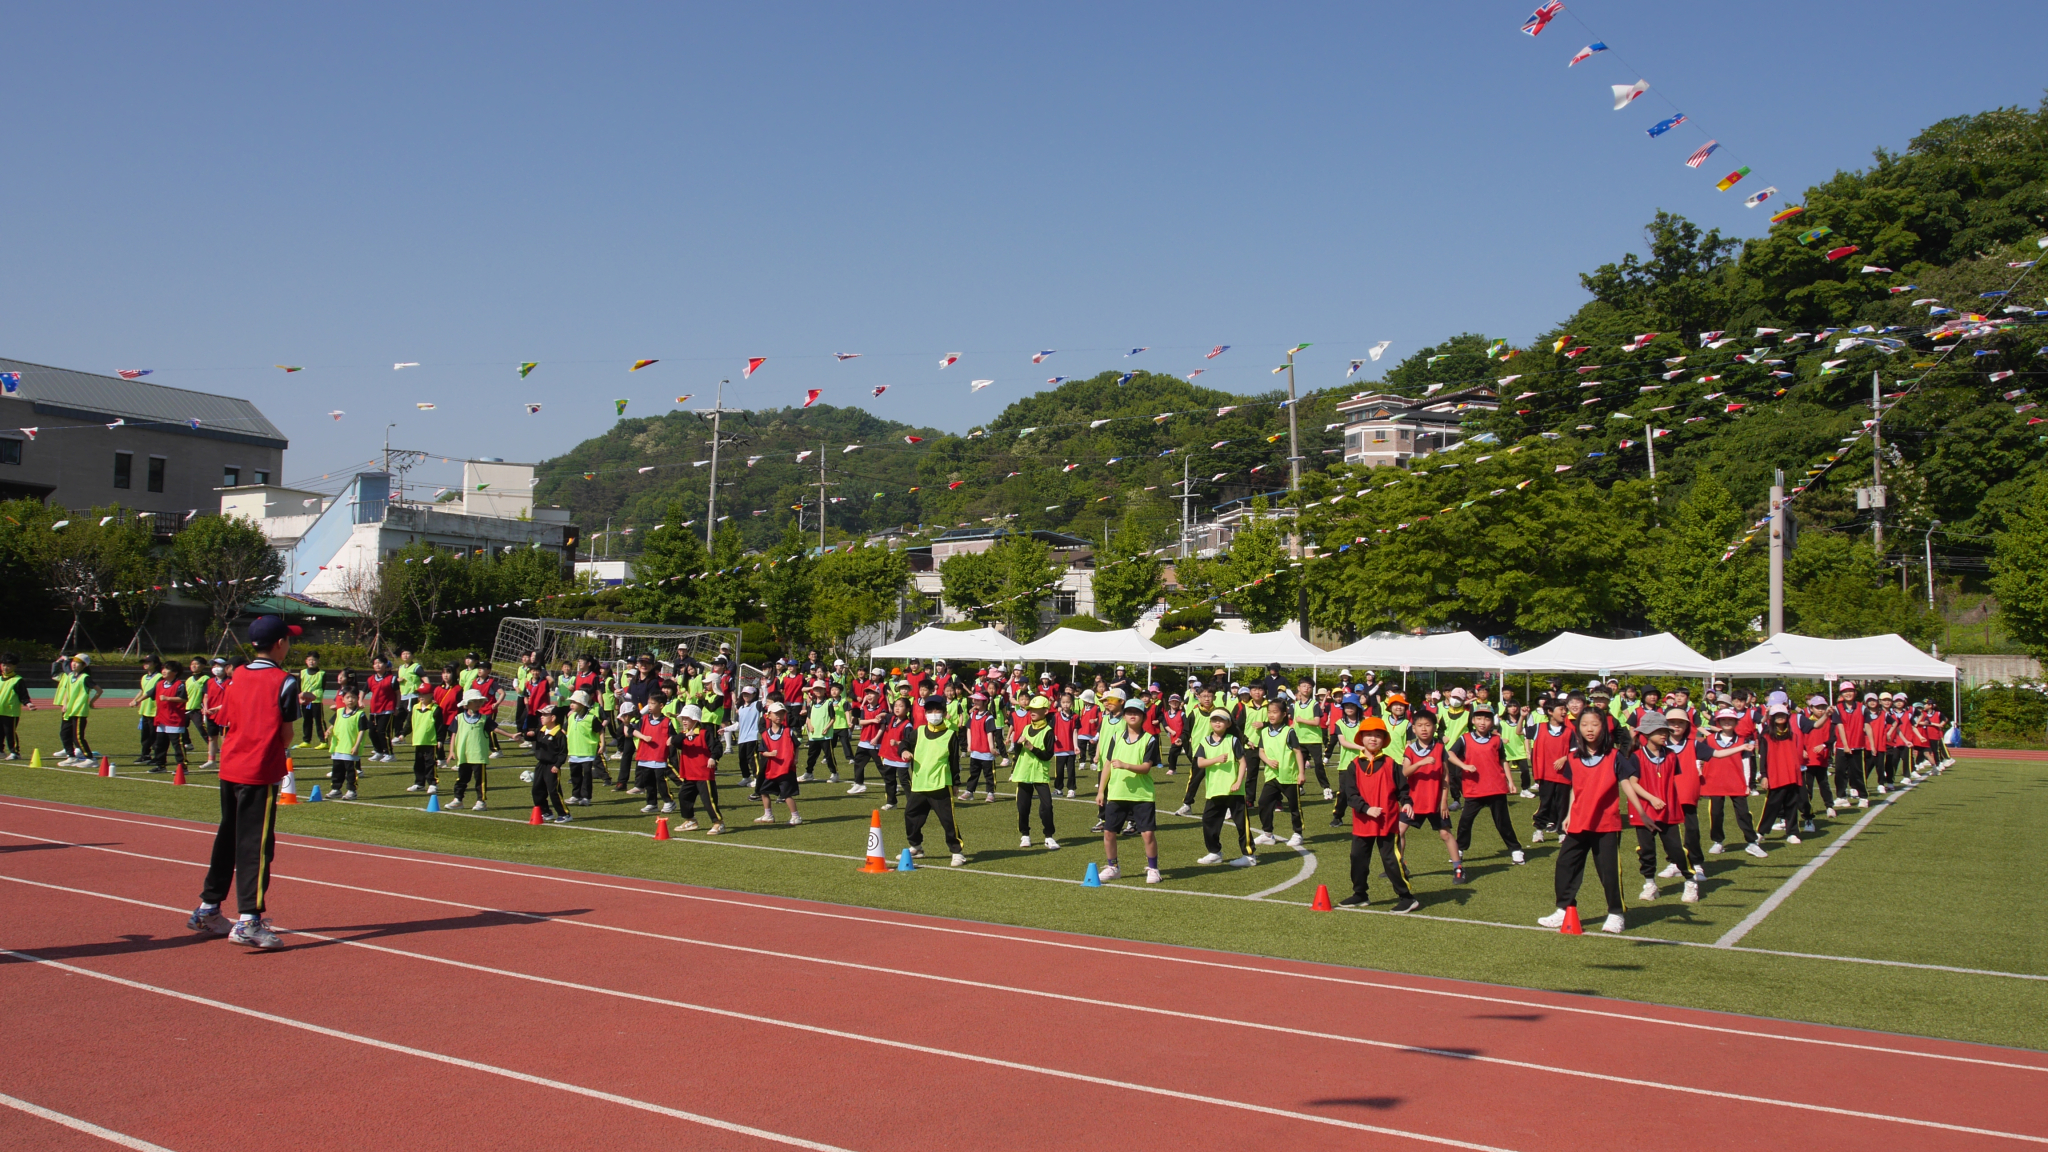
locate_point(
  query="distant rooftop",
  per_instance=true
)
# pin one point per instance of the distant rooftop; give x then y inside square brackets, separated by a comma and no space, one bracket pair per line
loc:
[89,396]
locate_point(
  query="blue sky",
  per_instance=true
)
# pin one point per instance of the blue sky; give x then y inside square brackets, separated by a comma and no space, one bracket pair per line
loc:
[209,191]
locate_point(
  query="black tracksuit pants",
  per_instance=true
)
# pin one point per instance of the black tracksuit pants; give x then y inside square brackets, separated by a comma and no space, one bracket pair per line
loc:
[480,774]
[1741,806]
[820,748]
[243,847]
[1025,794]
[425,757]
[1274,794]
[1312,759]
[1553,801]
[692,791]
[1498,805]
[939,804]
[1672,837]
[1063,772]
[380,733]
[343,775]
[1782,804]
[582,777]
[1234,809]
[1604,848]
[980,769]
[547,789]
[1390,857]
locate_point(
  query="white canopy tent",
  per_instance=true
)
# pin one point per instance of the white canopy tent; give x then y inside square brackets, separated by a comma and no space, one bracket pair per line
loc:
[1244,649]
[1573,652]
[1073,646]
[936,643]
[1441,652]
[1788,656]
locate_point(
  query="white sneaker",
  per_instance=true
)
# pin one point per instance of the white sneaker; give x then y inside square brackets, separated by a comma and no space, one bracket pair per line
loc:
[349,795]
[1554,920]
[647,808]
[958,859]
[1294,841]
[1863,803]
[1691,895]
[1536,837]
[494,755]
[1183,810]
[1070,793]
[1699,873]
[991,796]
[1109,872]
[765,818]
[832,779]
[856,790]
[1778,826]
[433,788]
[888,807]
[1649,890]
[795,819]
[1755,849]
[1051,845]
[806,778]
[1244,861]
[1807,827]
[1526,794]
[1670,872]
[206,765]
[1264,838]
[1715,849]
[1329,795]
[1211,858]
[1791,839]
[1024,842]
[477,807]
[1152,876]
[412,787]
[964,795]
[1517,857]
[1882,790]
[1831,813]
[1613,924]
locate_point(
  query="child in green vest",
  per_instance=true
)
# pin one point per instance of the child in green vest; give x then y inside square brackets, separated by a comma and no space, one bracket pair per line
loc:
[930,748]
[11,697]
[818,734]
[1278,742]
[1223,776]
[425,729]
[313,722]
[145,707]
[1125,790]
[1031,774]
[469,745]
[584,736]
[344,745]
[74,698]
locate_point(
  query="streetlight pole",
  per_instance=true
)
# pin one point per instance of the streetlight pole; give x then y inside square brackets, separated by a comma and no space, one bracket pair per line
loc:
[1294,484]
[716,413]
[1930,563]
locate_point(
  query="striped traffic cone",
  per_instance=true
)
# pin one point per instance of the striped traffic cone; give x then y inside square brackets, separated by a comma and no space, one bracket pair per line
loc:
[876,861]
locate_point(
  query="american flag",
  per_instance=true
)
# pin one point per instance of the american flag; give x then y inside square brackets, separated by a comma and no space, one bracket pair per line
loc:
[131,373]
[1700,157]
[1541,18]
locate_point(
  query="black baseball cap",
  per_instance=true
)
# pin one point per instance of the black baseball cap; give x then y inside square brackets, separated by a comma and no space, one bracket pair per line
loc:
[267,630]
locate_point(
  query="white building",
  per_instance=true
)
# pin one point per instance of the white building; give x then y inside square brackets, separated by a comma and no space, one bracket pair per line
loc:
[1382,428]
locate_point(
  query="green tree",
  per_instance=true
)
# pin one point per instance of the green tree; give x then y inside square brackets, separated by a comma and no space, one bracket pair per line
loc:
[1254,576]
[2019,571]
[1127,575]
[856,587]
[1688,590]
[231,560]
[668,552]
[971,582]
[1835,587]
[1678,283]
[785,587]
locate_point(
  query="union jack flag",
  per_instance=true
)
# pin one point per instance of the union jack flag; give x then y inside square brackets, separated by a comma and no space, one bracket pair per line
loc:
[1541,18]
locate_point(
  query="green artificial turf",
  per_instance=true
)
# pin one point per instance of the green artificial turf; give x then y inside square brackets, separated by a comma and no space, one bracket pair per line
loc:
[1941,878]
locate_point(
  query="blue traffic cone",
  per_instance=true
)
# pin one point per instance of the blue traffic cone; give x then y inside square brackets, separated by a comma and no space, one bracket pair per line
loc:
[433,802]
[1091,878]
[316,797]
[904,863]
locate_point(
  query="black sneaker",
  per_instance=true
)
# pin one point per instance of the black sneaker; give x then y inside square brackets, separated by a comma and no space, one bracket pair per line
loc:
[1408,905]
[1354,902]
[1457,873]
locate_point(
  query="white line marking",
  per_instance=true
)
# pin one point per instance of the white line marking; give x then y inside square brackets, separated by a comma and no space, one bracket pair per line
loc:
[1058,1073]
[1128,953]
[1734,935]
[85,1126]
[1308,869]
[1413,1049]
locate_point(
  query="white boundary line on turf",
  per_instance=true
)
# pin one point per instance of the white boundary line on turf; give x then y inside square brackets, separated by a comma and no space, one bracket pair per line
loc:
[1250,1025]
[751,1018]
[85,1126]
[1734,935]
[424,1054]
[1118,952]
[1428,917]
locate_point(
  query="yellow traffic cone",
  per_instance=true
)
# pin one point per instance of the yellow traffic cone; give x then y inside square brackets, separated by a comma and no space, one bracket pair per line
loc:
[35,758]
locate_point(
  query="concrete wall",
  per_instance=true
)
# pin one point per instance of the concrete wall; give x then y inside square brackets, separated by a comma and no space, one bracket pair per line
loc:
[2004,669]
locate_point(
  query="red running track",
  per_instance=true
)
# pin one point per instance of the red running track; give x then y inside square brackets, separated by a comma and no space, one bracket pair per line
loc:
[429,1001]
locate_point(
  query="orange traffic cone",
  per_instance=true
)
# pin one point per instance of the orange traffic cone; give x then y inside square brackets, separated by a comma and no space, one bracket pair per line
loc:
[178,776]
[660,827]
[288,790]
[1571,922]
[535,818]
[875,863]
[106,765]
[1322,901]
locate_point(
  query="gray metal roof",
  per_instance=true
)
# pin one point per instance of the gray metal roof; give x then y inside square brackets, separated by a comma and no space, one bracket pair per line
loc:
[88,396]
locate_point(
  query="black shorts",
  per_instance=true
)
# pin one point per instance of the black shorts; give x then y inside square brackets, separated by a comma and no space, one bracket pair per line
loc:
[1142,815]
[1430,818]
[778,787]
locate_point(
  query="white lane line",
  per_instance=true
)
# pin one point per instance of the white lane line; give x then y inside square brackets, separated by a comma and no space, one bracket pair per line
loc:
[85,1126]
[1308,869]
[1734,935]
[1413,1049]
[920,1049]
[424,1054]
[1125,953]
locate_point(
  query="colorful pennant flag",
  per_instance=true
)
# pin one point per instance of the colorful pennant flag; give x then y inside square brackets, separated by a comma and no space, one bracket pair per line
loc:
[753,362]
[845,356]
[913,439]
[1760,197]
[639,364]
[533,409]
[880,388]
[1541,18]
[1039,357]
[978,385]
[292,367]
[405,364]
[1626,94]
[526,368]
[1728,181]
[1376,350]
[1845,250]
[132,373]
[620,405]
[1585,53]
[1663,126]
[1784,214]
[1700,157]
[949,359]
[811,397]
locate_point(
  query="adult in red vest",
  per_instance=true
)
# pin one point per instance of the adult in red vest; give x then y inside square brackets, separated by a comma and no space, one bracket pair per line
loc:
[1601,775]
[256,713]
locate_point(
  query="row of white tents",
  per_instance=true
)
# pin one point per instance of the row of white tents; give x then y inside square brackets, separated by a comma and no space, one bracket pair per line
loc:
[1785,656]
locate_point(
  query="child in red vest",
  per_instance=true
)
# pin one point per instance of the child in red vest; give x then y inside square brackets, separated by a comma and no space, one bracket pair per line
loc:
[1423,772]
[1784,763]
[1602,775]
[1481,760]
[1377,794]
[1549,745]
[1065,745]
[1661,819]
[778,765]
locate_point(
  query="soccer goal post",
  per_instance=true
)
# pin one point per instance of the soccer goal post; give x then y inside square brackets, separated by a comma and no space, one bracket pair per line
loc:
[559,640]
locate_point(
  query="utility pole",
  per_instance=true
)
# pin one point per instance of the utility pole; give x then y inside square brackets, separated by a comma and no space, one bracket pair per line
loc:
[1778,552]
[1930,564]
[1876,467]
[711,503]
[1650,442]
[1187,493]
[1294,482]
[822,485]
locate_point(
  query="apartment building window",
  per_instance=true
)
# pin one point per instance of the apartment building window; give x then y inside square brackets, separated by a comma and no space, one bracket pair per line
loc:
[156,473]
[230,477]
[262,477]
[1064,603]
[124,469]
[1379,435]
[10,451]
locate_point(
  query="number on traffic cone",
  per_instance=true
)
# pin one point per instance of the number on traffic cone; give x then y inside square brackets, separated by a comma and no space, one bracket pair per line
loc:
[1322,901]
[660,827]
[875,863]
[535,818]
[1571,922]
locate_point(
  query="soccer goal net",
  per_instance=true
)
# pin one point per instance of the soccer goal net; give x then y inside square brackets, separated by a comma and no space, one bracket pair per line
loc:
[559,640]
